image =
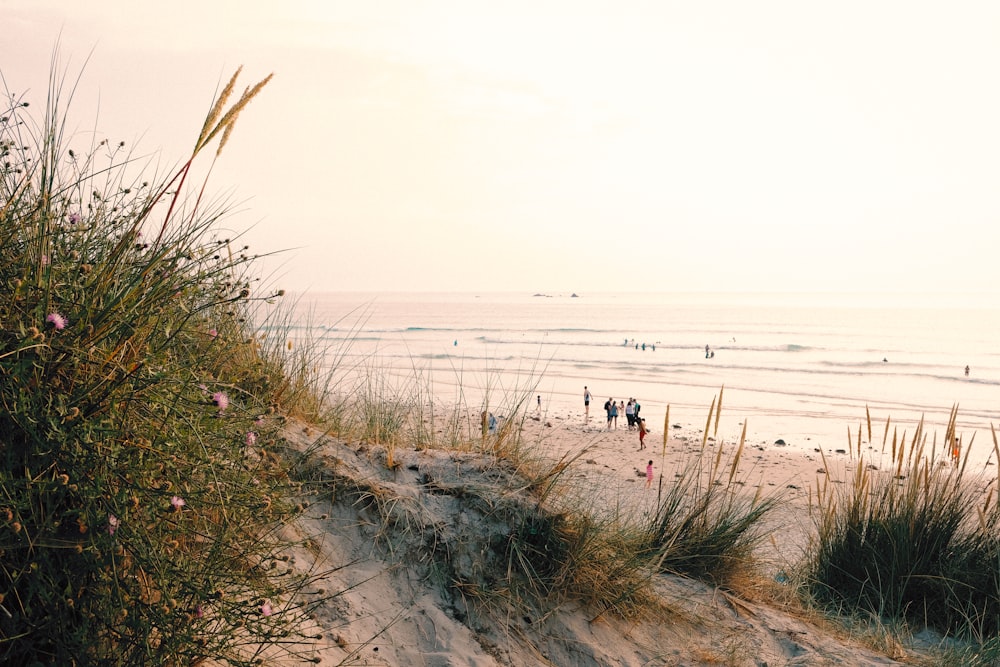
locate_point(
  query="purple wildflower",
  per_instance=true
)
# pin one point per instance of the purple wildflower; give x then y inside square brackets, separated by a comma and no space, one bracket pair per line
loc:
[212,333]
[265,609]
[221,400]
[57,321]
[74,218]
[112,524]
[251,438]
[177,502]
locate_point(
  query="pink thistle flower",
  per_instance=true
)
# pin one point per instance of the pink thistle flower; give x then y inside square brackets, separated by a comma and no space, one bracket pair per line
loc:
[265,609]
[177,502]
[212,333]
[199,612]
[112,524]
[57,321]
[45,260]
[221,400]
[74,218]
[251,438]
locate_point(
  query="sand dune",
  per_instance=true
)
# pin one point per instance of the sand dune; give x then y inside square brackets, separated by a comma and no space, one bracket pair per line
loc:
[397,604]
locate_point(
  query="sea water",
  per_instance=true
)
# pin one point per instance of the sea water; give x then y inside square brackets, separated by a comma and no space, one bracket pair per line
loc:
[804,368]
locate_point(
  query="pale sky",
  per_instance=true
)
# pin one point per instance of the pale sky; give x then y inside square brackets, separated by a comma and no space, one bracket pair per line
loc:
[565,145]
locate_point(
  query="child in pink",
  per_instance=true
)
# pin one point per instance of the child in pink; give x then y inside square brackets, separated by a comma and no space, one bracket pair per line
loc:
[649,474]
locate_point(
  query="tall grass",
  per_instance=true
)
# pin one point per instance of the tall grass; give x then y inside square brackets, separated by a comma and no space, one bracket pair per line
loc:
[918,543]
[138,499]
[705,524]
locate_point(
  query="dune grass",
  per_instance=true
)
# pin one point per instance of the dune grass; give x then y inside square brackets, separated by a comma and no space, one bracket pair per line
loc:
[917,544]
[139,491]
[706,525]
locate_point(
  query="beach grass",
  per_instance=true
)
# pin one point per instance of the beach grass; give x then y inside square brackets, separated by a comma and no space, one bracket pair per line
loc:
[139,487]
[916,544]
[706,524]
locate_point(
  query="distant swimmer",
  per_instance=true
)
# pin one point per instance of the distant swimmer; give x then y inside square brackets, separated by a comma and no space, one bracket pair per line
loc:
[966,371]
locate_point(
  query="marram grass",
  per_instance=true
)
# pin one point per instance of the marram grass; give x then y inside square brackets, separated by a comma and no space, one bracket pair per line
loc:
[138,498]
[918,543]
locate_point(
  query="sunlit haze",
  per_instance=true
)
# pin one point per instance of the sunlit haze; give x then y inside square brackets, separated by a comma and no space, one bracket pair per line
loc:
[563,146]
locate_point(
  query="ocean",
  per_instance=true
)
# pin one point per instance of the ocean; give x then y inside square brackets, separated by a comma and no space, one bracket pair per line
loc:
[802,368]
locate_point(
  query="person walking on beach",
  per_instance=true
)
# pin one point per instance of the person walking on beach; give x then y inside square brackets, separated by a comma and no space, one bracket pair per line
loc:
[649,474]
[586,404]
[642,433]
[607,410]
[539,404]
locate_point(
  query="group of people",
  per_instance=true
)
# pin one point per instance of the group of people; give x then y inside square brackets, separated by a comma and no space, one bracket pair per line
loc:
[638,345]
[635,422]
[614,409]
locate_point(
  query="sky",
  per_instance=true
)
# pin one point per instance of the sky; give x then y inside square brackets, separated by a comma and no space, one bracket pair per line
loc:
[563,146]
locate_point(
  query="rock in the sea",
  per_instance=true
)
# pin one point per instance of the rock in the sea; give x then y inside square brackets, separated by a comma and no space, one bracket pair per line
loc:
[780,442]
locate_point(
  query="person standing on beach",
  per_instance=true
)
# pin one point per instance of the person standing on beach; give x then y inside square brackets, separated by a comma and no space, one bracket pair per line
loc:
[635,409]
[649,474]
[630,414]
[586,404]
[607,409]
[642,433]
[614,414]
